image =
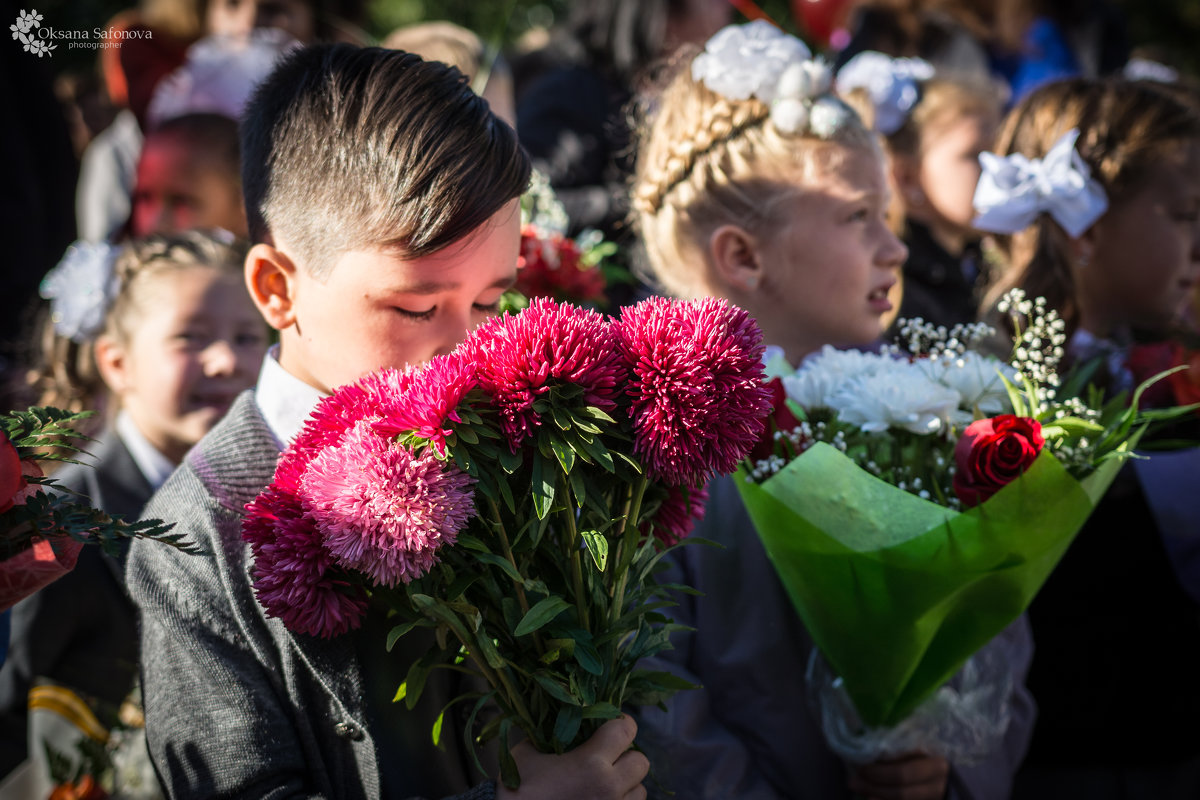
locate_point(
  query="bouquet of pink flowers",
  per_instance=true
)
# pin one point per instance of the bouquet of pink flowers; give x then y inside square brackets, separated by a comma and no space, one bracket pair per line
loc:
[913,502]
[41,531]
[515,496]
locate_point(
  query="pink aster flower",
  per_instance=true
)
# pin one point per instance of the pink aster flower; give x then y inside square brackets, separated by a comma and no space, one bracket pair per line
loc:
[294,576]
[429,401]
[520,357]
[699,402]
[681,509]
[382,509]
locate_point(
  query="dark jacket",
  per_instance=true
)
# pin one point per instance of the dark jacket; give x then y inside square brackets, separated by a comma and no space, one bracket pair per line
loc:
[236,705]
[81,630]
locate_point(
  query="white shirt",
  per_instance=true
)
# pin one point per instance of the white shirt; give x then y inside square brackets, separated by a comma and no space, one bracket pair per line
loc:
[154,466]
[284,400]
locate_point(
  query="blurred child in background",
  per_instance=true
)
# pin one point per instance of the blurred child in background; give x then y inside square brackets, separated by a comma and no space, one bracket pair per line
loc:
[162,340]
[1097,209]
[934,127]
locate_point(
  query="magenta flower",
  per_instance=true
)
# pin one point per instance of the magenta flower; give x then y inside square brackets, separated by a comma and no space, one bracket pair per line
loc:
[294,576]
[427,402]
[376,395]
[519,359]
[699,402]
[382,509]
[681,509]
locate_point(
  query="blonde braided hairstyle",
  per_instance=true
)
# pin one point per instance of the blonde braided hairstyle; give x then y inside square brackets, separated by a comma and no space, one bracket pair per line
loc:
[705,160]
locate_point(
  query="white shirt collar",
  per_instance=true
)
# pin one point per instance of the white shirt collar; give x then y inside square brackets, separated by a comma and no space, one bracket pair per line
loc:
[284,400]
[154,466]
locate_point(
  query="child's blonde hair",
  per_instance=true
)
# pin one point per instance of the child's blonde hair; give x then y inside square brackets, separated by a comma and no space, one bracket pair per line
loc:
[67,375]
[705,160]
[1125,128]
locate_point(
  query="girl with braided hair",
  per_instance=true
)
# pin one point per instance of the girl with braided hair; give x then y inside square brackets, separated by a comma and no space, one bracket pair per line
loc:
[757,185]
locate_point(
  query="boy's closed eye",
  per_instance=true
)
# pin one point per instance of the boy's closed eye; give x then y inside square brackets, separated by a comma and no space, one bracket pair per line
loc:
[483,308]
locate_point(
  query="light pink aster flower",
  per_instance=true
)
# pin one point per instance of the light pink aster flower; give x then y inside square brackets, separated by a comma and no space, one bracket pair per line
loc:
[681,509]
[431,395]
[382,509]
[520,357]
[294,576]
[699,402]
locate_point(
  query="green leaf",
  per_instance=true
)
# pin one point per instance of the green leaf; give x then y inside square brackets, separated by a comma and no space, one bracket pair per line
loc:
[601,711]
[466,434]
[564,453]
[566,724]
[578,487]
[509,773]
[561,418]
[418,673]
[542,489]
[555,689]
[395,633]
[510,462]
[542,612]
[436,734]
[589,658]
[487,647]
[502,563]
[599,454]
[401,692]
[597,413]
[597,546]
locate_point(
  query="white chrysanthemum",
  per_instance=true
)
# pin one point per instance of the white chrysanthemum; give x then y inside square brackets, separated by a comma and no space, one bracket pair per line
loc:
[900,397]
[826,372]
[976,377]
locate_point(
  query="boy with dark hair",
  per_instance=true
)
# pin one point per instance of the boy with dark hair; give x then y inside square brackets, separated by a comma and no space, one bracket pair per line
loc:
[383,196]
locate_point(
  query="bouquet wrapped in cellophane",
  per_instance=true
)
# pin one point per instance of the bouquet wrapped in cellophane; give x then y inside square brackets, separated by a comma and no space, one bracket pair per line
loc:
[515,496]
[912,503]
[42,530]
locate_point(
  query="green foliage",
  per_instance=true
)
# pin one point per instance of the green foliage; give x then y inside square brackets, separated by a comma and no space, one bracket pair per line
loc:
[550,594]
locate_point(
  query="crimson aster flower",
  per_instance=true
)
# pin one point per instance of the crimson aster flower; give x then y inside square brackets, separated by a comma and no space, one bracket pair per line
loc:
[521,357]
[699,402]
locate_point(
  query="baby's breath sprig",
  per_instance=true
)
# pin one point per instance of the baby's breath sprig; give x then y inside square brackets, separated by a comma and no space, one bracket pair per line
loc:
[918,338]
[1038,341]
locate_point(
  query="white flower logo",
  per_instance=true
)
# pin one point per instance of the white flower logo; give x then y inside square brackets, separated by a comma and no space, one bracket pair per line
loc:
[23,30]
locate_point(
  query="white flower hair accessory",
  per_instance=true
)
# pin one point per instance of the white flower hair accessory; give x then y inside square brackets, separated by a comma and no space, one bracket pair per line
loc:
[80,288]
[891,83]
[759,60]
[1013,190]
[744,61]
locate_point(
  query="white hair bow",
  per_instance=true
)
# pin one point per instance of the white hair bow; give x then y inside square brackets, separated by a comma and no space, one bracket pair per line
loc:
[80,289]
[1013,190]
[891,83]
[759,60]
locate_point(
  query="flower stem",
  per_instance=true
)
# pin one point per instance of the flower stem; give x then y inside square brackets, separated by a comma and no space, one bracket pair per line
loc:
[573,543]
[626,548]
[506,548]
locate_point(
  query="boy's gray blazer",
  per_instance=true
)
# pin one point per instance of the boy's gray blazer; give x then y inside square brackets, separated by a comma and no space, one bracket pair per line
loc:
[237,706]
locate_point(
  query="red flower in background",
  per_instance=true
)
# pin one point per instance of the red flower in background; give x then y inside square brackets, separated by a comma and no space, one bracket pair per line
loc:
[551,266]
[782,418]
[11,479]
[992,453]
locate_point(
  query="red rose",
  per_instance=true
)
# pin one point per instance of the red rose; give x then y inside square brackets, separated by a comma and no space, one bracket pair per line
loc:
[991,453]
[11,479]
[781,416]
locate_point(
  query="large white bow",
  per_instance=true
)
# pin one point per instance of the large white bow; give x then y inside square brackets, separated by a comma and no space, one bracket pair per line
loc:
[1013,190]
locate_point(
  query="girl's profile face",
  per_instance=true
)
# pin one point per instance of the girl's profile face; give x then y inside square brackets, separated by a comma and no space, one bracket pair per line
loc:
[949,170]
[194,342]
[1145,258]
[831,259]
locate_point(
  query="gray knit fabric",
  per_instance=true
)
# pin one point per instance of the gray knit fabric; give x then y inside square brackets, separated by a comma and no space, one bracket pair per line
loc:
[236,706]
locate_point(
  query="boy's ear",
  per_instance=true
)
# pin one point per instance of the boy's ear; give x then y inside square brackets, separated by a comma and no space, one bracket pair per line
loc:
[112,363]
[271,279]
[735,258]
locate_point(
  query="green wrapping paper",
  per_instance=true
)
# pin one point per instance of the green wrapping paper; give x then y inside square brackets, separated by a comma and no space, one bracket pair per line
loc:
[896,591]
